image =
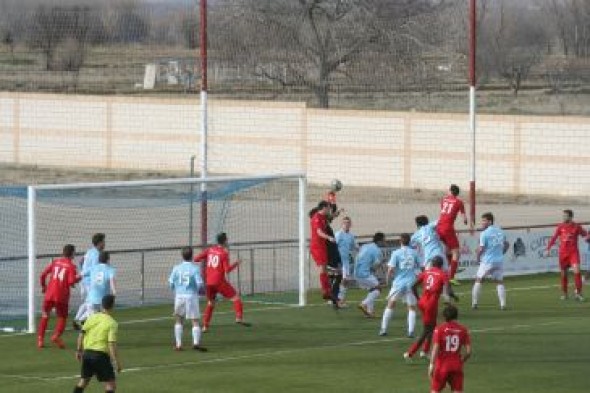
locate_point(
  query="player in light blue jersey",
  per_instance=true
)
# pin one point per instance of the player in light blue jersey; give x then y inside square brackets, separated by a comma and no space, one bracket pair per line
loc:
[90,259]
[405,264]
[102,283]
[369,256]
[185,280]
[426,239]
[347,245]
[490,255]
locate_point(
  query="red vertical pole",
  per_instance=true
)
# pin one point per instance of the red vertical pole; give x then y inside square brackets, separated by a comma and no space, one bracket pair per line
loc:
[472,106]
[204,125]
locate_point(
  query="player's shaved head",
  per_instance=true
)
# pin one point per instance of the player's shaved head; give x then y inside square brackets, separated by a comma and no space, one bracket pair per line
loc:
[104,257]
[454,189]
[187,253]
[404,239]
[378,237]
[437,261]
[222,238]
[69,250]
[450,313]
[421,221]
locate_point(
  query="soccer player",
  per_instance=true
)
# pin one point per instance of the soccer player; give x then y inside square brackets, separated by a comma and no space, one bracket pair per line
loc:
[569,255]
[450,350]
[346,246]
[217,266]
[62,275]
[97,348]
[368,257]
[90,259]
[434,281]
[404,263]
[334,266]
[450,207]
[427,240]
[490,256]
[317,244]
[102,283]
[185,280]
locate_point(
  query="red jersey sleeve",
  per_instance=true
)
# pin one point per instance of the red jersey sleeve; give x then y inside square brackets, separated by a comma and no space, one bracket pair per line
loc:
[436,336]
[73,277]
[44,274]
[461,206]
[554,237]
[202,256]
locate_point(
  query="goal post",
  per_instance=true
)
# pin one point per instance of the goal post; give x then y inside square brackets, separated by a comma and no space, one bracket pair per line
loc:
[146,223]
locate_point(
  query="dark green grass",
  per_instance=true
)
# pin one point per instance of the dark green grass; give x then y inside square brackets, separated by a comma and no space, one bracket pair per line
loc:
[540,344]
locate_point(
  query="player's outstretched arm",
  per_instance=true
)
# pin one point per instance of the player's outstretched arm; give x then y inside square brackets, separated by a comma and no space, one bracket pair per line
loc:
[202,256]
[553,239]
[80,346]
[233,266]
[115,356]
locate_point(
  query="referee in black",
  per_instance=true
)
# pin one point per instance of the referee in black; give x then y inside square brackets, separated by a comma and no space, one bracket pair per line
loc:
[97,348]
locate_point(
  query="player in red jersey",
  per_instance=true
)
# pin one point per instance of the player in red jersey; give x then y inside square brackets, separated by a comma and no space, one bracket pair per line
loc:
[215,271]
[62,275]
[450,207]
[317,245]
[569,255]
[434,282]
[447,358]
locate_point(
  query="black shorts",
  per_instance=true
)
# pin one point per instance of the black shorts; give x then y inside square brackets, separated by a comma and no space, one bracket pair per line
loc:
[99,364]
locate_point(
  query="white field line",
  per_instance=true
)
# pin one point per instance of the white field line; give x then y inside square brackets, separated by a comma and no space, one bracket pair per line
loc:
[267,354]
[283,307]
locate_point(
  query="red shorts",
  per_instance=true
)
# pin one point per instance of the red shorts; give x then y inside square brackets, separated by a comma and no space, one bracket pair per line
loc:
[319,255]
[569,259]
[429,312]
[224,288]
[448,236]
[440,378]
[61,309]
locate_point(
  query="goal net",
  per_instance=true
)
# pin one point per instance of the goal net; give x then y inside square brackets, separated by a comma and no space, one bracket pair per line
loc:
[146,223]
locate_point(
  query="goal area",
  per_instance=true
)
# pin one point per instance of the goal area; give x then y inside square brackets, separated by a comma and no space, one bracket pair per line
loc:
[146,224]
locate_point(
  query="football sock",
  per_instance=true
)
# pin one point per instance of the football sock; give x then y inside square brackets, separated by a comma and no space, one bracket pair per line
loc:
[578,281]
[370,299]
[501,295]
[342,292]
[335,286]
[81,312]
[239,310]
[60,326]
[196,335]
[178,334]
[426,345]
[564,283]
[411,321]
[414,347]
[208,315]
[325,283]
[475,293]
[43,326]
[387,314]
[453,269]
[78,389]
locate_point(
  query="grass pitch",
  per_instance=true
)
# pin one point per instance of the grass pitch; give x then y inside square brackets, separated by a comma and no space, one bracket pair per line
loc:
[541,344]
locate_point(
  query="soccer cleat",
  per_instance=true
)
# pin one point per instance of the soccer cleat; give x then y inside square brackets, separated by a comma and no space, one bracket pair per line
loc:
[40,342]
[579,297]
[503,308]
[58,342]
[563,297]
[424,355]
[342,304]
[474,306]
[364,310]
[177,348]
[199,348]
[243,323]
[382,333]
[407,357]
[410,335]
[326,296]
[205,329]
[76,326]
[455,282]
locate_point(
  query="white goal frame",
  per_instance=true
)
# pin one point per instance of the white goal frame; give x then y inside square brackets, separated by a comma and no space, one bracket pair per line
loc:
[31,222]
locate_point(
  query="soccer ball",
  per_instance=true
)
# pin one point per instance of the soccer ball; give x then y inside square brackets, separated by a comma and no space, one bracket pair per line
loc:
[336,185]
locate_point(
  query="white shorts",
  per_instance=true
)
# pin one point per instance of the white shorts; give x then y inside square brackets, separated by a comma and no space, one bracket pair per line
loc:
[404,294]
[494,271]
[187,306]
[367,282]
